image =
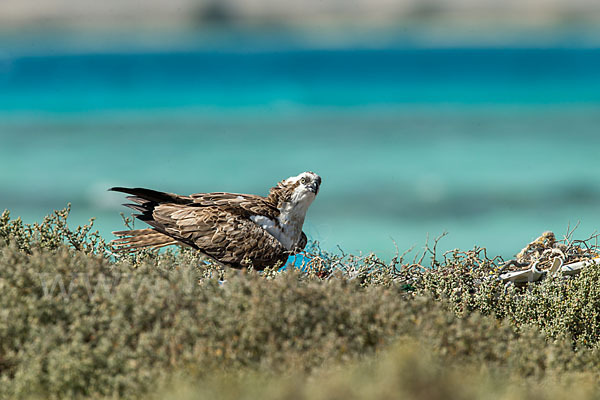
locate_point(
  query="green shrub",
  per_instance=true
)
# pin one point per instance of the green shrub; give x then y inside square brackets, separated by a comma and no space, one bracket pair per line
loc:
[78,321]
[407,370]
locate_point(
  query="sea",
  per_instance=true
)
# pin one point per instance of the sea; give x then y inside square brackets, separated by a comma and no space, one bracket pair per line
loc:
[493,144]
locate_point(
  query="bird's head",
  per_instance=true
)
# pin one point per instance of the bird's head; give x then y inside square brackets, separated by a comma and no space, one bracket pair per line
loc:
[297,190]
[305,184]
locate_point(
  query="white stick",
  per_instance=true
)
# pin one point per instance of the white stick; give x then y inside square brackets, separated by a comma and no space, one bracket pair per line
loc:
[533,274]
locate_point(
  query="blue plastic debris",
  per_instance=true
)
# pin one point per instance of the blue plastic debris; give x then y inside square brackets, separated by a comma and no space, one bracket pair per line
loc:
[299,261]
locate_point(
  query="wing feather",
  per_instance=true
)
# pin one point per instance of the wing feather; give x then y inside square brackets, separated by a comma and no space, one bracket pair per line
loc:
[218,224]
[132,240]
[242,204]
[225,236]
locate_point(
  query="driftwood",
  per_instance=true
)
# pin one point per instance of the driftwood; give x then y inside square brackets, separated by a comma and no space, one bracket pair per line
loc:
[547,256]
[533,274]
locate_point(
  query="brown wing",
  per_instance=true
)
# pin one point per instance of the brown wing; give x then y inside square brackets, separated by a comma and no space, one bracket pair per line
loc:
[227,237]
[217,224]
[242,204]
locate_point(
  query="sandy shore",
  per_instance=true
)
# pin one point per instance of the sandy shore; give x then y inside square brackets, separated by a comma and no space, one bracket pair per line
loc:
[129,13]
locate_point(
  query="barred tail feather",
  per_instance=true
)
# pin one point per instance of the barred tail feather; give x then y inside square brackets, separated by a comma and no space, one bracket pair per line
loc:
[133,240]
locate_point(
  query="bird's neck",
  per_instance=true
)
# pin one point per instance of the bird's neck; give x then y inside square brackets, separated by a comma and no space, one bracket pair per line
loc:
[291,219]
[292,211]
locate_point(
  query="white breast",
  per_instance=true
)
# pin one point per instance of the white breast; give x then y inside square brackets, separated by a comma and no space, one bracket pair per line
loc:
[282,235]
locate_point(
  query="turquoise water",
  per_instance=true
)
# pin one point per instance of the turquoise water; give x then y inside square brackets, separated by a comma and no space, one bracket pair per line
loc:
[493,145]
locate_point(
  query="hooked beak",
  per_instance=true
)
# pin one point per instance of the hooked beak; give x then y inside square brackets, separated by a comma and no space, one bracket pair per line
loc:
[314,187]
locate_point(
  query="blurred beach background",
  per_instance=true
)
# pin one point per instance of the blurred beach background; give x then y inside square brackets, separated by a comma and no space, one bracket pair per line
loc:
[479,118]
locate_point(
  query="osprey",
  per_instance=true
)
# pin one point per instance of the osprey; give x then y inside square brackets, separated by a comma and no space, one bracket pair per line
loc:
[237,230]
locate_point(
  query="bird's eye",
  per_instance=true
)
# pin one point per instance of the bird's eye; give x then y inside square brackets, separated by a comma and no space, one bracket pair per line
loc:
[303,181]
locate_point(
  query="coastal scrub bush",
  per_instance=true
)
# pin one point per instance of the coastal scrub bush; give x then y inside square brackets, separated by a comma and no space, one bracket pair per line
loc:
[406,370]
[78,321]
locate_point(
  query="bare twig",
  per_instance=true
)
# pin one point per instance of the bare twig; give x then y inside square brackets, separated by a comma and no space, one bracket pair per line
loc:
[570,232]
[431,250]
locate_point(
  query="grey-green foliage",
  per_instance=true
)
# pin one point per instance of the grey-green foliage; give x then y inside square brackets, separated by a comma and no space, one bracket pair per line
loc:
[78,321]
[52,233]
[116,328]
[558,306]
[407,370]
